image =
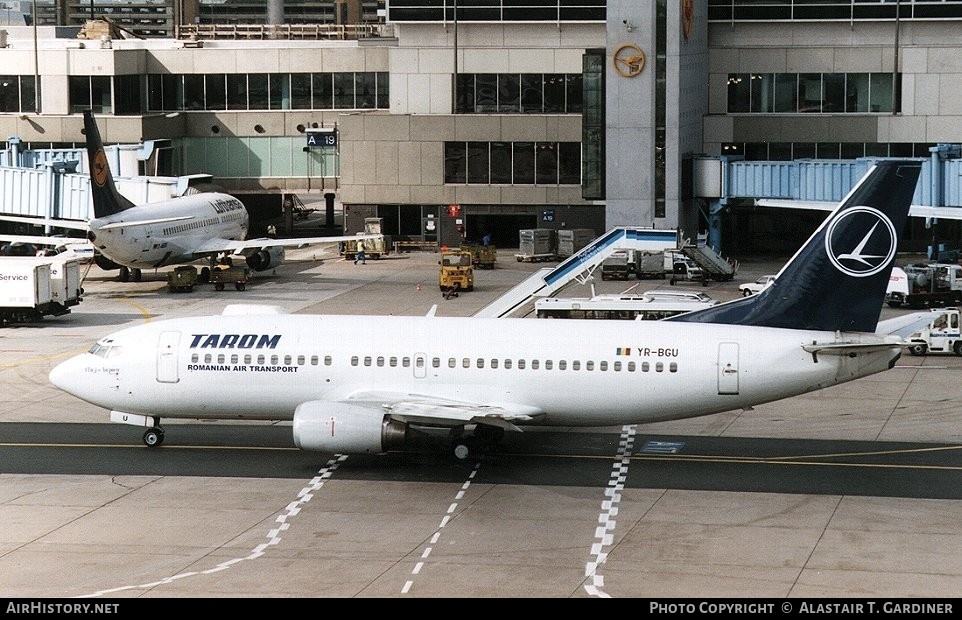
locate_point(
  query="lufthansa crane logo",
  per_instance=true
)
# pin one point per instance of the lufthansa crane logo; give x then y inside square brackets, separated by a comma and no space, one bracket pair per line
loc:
[100,168]
[861,242]
[628,60]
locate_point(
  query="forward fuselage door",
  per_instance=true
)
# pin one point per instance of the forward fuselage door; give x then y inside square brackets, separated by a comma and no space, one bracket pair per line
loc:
[420,365]
[728,368]
[167,357]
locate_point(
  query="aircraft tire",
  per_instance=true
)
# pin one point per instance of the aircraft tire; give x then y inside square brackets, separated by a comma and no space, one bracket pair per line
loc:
[124,275]
[918,349]
[136,275]
[464,447]
[153,437]
[240,286]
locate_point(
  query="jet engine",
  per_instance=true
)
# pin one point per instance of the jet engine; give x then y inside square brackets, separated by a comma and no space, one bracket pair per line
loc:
[345,428]
[267,258]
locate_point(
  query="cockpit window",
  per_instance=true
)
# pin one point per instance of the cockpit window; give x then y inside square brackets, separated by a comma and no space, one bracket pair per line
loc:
[105,350]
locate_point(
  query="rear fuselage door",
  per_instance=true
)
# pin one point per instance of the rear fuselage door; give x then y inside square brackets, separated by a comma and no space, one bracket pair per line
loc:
[167,357]
[728,368]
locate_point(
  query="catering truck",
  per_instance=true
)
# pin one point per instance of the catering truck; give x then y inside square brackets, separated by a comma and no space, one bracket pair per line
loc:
[34,287]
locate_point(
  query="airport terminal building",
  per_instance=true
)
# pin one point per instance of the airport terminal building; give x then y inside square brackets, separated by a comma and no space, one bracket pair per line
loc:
[452,118]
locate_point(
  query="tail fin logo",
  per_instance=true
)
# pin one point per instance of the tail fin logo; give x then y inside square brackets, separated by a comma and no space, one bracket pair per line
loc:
[861,242]
[100,168]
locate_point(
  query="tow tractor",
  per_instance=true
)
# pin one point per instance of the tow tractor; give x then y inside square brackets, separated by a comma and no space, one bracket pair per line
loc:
[941,334]
[457,272]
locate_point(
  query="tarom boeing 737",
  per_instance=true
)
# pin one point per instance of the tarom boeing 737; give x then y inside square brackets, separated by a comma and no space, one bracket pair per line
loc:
[205,225]
[814,327]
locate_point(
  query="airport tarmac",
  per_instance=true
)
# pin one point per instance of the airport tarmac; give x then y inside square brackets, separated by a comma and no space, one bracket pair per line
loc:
[342,533]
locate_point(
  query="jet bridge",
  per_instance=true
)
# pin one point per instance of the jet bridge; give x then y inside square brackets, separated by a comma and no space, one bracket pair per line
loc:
[580,266]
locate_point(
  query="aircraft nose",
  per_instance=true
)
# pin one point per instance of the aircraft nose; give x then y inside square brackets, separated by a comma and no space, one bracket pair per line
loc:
[66,375]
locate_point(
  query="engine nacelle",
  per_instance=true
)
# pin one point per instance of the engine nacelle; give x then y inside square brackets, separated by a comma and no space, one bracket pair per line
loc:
[345,428]
[267,258]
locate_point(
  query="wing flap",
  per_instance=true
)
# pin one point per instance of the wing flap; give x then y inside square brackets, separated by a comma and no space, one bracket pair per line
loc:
[233,246]
[426,409]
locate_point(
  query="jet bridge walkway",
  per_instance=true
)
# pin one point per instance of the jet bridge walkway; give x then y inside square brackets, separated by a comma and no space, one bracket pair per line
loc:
[579,266]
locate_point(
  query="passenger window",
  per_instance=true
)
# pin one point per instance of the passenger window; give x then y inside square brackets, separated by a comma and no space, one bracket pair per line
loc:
[380,361]
[260,360]
[494,362]
[562,364]
[301,360]
[452,362]
[327,360]
[631,367]
[193,358]
[274,360]
[367,360]
[645,367]
[436,362]
[207,358]
[466,363]
[247,358]
[406,362]
[287,360]
[659,367]
[233,358]
[673,367]
[617,366]
[603,365]
[534,364]
[393,362]
[507,363]
[419,362]
[480,362]
[548,364]
[520,364]
[589,365]
[576,365]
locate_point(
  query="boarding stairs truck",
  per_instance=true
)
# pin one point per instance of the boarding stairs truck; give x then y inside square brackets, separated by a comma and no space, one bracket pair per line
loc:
[713,265]
[579,267]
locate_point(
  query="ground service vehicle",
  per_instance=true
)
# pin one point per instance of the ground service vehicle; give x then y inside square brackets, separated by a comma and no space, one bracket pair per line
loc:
[456,273]
[374,247]
[182,279]
[941,335]
[226,273]
[617,266]
[757,286]
[482,256]
[29,290]
[921,286]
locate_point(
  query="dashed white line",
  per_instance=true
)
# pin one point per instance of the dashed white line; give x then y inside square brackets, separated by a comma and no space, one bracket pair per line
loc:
[437,534]
[273,535]
[609,510]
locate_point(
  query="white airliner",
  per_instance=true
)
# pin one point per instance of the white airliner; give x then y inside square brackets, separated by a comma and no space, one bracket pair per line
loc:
[366,384]
[181,230]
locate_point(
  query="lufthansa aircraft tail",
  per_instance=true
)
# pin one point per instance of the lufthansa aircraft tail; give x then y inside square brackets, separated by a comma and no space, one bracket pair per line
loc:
[107,200]
[837,280]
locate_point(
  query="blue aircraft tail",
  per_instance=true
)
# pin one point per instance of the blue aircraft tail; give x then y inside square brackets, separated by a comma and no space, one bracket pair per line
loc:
[107,200]
[837,280]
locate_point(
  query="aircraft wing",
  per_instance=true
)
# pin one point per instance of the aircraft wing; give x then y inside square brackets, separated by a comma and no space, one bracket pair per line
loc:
[426,409]
[216,246]
[47,241]
[37,221]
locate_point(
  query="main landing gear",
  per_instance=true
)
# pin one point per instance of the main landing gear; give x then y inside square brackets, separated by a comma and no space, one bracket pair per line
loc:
[127,274]
[153,437]
[466,445]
